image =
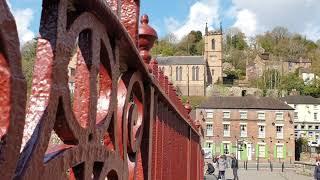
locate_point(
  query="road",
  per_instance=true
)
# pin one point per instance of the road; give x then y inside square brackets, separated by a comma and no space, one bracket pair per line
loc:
[262,175]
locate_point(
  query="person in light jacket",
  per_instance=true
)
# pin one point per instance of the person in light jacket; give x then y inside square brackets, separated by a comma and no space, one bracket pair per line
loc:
[222,166]
[317,170]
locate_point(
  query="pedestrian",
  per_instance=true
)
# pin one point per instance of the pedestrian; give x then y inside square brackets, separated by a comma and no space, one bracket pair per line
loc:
[234,166]
[317,170]
[222,165]
[210,168]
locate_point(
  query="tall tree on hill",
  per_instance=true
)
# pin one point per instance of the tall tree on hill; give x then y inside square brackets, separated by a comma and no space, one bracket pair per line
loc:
[28,54]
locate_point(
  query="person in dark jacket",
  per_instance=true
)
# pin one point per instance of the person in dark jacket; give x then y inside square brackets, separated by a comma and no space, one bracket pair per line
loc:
[210,169]
[317,170]
[234,166]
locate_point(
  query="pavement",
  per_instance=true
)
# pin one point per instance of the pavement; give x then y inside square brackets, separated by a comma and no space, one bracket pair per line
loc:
[251,174]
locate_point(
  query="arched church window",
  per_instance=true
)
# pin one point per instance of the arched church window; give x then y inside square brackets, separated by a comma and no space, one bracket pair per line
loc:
[193,73]
[197,73]
[213,44]
[177,73]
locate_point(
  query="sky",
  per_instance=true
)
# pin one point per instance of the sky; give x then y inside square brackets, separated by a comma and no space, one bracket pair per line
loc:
[181,16]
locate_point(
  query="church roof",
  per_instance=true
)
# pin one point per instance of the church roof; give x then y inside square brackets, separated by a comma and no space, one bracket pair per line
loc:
[181,60]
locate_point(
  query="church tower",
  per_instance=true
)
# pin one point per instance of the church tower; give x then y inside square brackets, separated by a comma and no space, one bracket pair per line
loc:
[213,55]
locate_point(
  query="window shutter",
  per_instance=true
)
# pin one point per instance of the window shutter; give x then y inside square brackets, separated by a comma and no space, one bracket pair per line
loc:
[284,151]
[214,149]
[266,152]
[257,151]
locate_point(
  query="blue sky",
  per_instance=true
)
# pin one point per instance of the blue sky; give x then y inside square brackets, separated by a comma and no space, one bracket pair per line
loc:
[181,16]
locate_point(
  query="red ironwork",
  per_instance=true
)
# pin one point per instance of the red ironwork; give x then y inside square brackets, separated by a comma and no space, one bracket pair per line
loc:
[124,119]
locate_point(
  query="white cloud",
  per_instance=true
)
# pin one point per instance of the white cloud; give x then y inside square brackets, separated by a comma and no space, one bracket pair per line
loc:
[297,15]
[200,12]
[246,21]
[23,19]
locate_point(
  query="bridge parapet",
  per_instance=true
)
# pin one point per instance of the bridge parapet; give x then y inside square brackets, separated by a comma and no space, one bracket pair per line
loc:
[124,119]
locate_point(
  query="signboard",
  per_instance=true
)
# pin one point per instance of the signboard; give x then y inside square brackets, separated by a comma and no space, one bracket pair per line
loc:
[207,153]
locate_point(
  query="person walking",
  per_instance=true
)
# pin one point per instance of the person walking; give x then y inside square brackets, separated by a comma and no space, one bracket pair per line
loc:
[317,170]
[222,165]
[234,166]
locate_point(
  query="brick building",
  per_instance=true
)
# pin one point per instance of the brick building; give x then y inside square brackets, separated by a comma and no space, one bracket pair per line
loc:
[250,127]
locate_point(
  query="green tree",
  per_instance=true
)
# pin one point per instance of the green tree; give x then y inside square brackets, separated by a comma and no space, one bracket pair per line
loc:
[28,55]
[190,44]
[292,81]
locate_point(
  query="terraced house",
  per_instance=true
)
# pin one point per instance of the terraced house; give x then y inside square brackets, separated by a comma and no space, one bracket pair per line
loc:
[251,127]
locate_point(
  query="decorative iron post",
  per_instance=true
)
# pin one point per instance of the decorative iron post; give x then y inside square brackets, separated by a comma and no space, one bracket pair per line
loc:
[147,37]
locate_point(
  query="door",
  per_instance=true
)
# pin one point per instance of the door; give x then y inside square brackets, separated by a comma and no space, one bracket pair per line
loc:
[249,151]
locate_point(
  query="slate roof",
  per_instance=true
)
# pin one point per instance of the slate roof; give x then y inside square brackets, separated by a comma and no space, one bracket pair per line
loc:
[181,60]
[246,102]
[300,100]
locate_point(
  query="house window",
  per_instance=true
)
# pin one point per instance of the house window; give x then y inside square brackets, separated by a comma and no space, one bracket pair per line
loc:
[226,130]
[294,106]
[72,72]
[310,134]
[295,115]
[213,44]
[315,107]
[295,127]
[226,148]
[302,126]
[209,144]
[315,115]
[279,151]
[316,127]
[279,132]
[71,87]
[209,113]
[262,132]
[279,116]
[262,151]
[309,127]
[243,130]
[226,115]
[261,116]
[209,130]
[243,115]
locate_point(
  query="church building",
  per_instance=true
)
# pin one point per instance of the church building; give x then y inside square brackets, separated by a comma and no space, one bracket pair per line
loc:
[195,75]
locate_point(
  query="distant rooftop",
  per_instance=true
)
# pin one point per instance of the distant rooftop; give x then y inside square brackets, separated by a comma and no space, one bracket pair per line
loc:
[300,100]
[246,102]
[267,56]
[181,60]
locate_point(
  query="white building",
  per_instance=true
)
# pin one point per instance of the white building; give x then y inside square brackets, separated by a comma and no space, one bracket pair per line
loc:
[306,116]
[308,76]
